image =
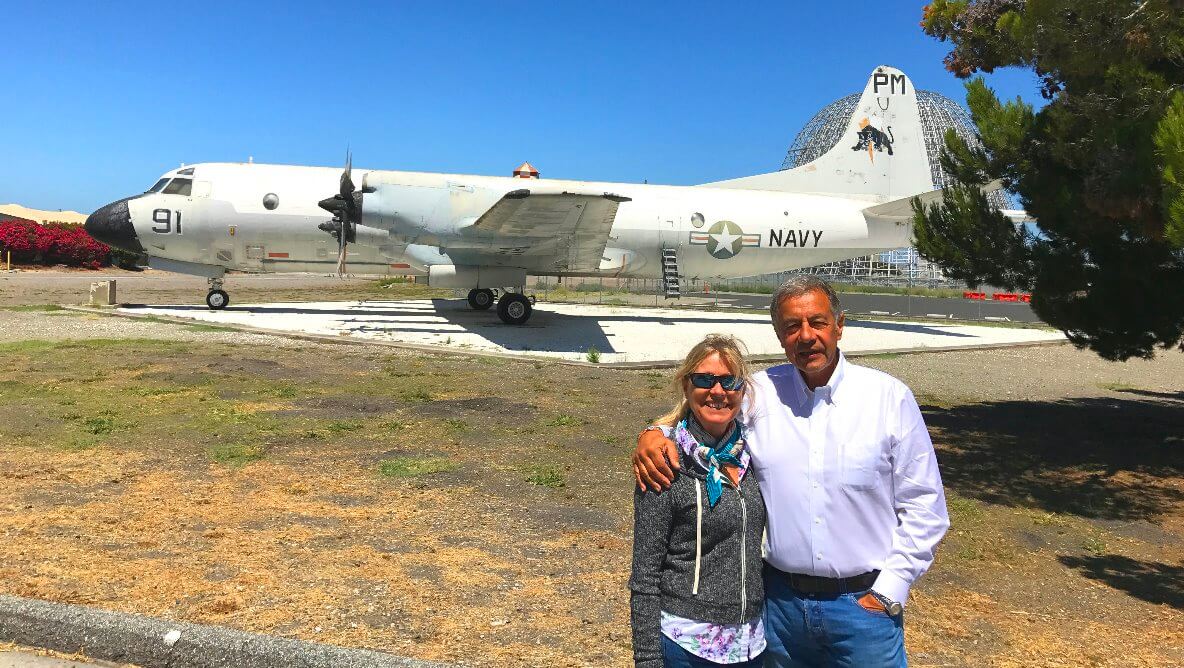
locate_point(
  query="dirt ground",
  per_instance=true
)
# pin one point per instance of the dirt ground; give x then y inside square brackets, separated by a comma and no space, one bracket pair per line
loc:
[478,510]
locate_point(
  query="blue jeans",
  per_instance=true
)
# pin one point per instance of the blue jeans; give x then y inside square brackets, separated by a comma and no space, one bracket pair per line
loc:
[674,656]
[808,631]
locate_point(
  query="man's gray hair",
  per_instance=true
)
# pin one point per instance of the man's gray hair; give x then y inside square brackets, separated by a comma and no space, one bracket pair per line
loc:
[799,285]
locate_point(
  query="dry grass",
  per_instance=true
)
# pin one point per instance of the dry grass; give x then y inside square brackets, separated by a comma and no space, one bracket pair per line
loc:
[469,563]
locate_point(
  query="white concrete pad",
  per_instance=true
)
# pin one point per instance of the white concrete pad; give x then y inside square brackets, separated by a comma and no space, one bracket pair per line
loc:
[569,331]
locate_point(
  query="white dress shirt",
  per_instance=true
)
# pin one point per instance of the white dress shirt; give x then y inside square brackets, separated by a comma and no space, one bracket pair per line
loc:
[848,474]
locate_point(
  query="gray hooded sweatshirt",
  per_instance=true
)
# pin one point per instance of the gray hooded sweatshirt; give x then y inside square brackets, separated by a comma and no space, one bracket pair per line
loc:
[694,560]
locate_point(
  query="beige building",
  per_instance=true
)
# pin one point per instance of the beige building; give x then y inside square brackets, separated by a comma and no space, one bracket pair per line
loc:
[36,215]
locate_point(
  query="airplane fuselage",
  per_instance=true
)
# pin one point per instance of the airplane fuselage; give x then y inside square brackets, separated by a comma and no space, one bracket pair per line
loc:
[265,218]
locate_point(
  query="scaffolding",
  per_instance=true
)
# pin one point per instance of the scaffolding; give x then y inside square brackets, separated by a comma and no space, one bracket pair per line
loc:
[825,129]
[903,266]
[821,133]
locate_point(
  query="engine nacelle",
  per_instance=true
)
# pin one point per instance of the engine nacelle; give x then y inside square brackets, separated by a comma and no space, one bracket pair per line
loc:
[371,236]
[467,277]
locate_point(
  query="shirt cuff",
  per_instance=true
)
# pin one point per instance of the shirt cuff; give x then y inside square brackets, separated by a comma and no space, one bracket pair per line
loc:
[892,586]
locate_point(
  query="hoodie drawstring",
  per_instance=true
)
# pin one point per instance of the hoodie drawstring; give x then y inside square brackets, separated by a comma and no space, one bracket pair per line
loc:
[698,535]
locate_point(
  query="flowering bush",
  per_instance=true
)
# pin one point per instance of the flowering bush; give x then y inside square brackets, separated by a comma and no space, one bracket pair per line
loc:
[52,243]
[20,237]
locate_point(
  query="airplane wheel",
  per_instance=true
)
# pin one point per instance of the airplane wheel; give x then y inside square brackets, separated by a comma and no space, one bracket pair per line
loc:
[217,299]
[513,308]
[481,299]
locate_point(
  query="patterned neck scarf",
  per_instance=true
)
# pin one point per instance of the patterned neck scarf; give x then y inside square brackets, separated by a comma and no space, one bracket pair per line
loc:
[711,454]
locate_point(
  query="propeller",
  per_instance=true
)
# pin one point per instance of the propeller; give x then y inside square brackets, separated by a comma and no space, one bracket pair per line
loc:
[346,207]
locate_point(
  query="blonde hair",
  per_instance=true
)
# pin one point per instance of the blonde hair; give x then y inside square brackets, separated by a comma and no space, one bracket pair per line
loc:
[731,352]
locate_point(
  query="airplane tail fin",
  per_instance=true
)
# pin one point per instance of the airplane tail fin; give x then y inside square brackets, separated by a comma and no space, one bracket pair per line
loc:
[881,152]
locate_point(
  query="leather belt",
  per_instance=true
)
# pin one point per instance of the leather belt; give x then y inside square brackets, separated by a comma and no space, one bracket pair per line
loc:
[813,584]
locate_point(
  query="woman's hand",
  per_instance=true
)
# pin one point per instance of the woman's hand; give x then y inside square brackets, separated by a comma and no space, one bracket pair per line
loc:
[654,461]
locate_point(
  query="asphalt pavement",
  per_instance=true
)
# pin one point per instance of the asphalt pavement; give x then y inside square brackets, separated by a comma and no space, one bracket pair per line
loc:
[898,305]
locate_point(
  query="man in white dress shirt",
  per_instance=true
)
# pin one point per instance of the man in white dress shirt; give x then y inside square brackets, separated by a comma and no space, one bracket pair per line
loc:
[855,502]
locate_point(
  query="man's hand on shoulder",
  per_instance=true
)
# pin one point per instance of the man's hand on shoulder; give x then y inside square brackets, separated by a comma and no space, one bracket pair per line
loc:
[654,461]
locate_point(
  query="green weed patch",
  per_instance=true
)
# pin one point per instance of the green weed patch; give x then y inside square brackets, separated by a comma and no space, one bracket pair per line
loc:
[411,467]
[32,308]
[545,476]
[343,426]
[235,454]
[456,425]
[415,395]
[41,347]
[565,421]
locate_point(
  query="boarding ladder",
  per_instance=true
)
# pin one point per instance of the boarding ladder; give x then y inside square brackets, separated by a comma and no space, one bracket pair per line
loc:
[670,280]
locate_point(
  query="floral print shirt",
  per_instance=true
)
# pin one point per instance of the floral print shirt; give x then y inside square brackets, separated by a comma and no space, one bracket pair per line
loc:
[721,643]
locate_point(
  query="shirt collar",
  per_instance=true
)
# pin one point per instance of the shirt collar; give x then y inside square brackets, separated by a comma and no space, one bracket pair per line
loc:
[824,392]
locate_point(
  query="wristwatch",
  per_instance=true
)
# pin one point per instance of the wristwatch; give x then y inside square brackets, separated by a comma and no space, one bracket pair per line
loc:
[891,607]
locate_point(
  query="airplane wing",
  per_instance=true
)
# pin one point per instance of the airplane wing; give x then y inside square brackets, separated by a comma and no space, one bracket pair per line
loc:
[573,227]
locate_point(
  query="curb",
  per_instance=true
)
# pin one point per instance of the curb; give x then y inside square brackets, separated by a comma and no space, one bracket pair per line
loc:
[157,643]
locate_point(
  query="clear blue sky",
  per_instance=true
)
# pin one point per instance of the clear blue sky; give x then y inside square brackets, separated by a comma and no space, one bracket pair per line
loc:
[99,99]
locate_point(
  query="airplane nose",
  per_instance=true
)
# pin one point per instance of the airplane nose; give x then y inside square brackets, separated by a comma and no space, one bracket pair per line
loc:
[112,225]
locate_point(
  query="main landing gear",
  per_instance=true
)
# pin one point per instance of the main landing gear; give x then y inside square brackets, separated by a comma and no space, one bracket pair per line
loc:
[216,298]
[514,308]
[481,299]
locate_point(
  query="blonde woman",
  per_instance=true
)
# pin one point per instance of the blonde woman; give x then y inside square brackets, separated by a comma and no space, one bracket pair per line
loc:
[697,593]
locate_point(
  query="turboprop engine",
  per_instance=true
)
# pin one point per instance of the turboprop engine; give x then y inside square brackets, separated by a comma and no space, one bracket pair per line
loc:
[359,234]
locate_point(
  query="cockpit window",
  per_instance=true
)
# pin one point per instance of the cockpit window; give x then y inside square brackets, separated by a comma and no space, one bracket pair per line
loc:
[159,186]
[180,187]
[188,171]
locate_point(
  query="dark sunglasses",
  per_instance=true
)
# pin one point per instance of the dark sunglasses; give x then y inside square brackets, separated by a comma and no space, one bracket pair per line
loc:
[707,381]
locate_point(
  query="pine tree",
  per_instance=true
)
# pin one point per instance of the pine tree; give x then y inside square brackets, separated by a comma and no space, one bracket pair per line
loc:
[1100,167]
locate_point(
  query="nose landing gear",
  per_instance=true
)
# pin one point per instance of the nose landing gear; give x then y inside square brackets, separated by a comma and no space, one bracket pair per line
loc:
[216,298]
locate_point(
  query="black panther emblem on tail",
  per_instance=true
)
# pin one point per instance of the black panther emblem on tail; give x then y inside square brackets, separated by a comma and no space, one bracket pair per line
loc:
[872,139]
